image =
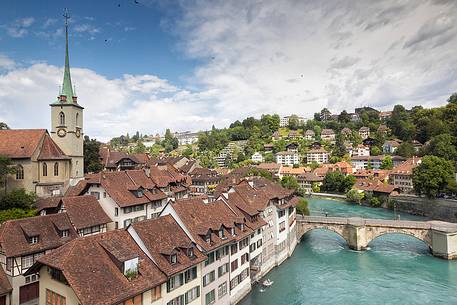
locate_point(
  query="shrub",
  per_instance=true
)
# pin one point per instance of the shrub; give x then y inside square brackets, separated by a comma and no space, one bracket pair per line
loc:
[302,207]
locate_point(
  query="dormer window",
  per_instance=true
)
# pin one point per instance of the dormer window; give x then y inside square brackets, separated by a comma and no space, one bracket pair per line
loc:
[173,259]
[233,231]
[33,239]
[242,227]
[221,234]
[131,268]
[65,233]
[190,252]
[208,238]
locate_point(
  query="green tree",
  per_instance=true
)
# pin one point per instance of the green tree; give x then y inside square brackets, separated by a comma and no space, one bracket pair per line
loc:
[258,172]
[375,151]
[170,142]
[387,163]
[15,214]
[188,151]
[294,123]
[302,207]
[354,196]
[17,198]
[337,182]
[91,155]
[344,117]
[289,182]
[452,99]
[431,176]
[139,148]
[375,202]
[406,149]
[443,146]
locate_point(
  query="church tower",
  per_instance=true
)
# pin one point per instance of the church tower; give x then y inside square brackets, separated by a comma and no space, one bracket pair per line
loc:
[67,120]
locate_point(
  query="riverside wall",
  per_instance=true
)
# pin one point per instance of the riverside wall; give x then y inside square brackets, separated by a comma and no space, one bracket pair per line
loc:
[439,209]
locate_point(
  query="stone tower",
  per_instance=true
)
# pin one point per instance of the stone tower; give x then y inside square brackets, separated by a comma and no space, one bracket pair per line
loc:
[67,120]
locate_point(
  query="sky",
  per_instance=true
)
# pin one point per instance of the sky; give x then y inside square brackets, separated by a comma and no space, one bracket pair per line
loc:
[148,65]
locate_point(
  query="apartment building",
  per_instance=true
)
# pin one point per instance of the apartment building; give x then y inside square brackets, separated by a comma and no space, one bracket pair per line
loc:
[310,135]
[361,151]
[319,155]
[287,158]
[22,242]
[401,176]
[204,181]
[328,135]
[364,132]
[125,196]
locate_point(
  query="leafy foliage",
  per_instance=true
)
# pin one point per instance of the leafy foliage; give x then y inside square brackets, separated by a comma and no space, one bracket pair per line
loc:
[16,214]
[302,207]
[431,176]
[17,198]
[5,169]
[354,196]
[91,155]
[289,182]
[387,163]
[337,182]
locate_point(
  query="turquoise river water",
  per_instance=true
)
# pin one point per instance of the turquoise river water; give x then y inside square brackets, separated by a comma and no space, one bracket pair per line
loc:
[396,269]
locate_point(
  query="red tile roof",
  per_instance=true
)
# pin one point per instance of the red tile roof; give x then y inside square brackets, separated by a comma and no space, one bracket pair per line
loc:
[85,211]
[50,150]
[163,237]
[14,234]
[91,267]
[5,285]
[20,143]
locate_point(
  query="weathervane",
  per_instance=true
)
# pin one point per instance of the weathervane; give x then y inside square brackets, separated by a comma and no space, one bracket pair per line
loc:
[66,16]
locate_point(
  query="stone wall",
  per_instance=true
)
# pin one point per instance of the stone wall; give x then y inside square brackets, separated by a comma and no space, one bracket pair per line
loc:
[439,209]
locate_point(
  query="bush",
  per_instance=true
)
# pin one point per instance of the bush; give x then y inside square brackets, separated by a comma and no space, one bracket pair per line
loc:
[375,202]
[16,214]
[302,207]
[17,198]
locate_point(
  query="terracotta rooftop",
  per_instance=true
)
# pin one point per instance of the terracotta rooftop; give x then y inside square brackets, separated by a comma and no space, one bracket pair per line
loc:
[15,234]
[5,285]
[92,267]
[406,168]
[173,240]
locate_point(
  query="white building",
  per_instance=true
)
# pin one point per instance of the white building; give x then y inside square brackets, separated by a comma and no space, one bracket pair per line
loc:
[284,121]
[317,155]
[361,151]
[187,137]
[257,157]
[287,158]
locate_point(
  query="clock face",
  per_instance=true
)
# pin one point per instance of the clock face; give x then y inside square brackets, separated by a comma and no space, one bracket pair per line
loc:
[78,133]
[61,132]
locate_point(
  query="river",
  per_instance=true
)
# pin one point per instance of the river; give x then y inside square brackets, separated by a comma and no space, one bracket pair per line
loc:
[396,269]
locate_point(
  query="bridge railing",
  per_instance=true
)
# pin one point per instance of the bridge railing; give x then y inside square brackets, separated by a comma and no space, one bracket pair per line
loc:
[406,224]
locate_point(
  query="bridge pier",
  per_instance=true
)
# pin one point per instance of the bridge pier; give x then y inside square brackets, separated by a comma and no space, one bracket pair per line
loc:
[355,234]
[444,244]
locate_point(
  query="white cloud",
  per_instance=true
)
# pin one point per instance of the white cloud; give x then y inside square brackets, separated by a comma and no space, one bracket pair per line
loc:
[112,106]
[19,28]
[86,28]
[6,63]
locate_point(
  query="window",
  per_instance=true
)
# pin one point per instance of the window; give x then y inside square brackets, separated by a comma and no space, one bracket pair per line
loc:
[190,274]
[96,195]
[175,282]
[53,298]
[45,169]
[77,119]
[281,213]
[177,301]
[244,258]
[244,243]
[62,119]
[33,239]
[190,252]
[222,290]
[116,211]
[19,172]
[234,265]
[56,169]
[220,253]
[259,243]
[156,293]
[210,259]
[222,270]
[65,233]
[9,263]
[234,249]
[252,247]
[221,234]
[173,259]
[192,294]
[210,297]
[27,261]
[209,278]
[104,194]
[282,226]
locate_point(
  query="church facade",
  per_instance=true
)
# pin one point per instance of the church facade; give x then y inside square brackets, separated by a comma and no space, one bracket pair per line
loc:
[48,162]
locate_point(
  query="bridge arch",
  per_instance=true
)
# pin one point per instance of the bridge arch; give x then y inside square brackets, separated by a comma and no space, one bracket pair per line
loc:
[421,235]
[334,229]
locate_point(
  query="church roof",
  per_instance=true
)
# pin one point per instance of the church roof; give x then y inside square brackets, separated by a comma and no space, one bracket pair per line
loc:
[50,150]
[20,143]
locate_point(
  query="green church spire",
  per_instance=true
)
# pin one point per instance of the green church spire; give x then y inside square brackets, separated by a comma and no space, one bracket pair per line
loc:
[67,88]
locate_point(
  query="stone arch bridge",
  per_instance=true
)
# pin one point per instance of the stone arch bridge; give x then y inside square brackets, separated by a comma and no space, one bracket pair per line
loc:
[441,237]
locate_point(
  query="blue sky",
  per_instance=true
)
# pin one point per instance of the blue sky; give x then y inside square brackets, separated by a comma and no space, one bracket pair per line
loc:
[189,64]
[138,42]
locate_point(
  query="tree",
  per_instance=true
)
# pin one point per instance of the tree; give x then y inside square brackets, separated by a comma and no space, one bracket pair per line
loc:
[16,214]
[139,148]
[443,146]
[325,114]
[387,163]
[289,182]
[406,149]
[188,151]
[170,142]
[344,117]
[375,151]
[91,155]
[294,123]
[431,176]
[302,207]
[337,182]
[258,172]
[17,198]
[452,99]
[354,196]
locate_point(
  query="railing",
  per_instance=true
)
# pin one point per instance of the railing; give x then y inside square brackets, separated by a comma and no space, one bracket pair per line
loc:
[407,224]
